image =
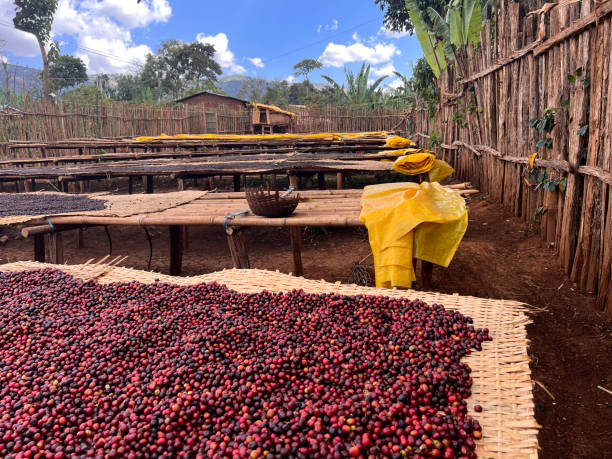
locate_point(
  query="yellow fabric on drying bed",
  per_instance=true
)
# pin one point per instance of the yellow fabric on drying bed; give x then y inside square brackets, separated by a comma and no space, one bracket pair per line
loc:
[411,220]
[421,163]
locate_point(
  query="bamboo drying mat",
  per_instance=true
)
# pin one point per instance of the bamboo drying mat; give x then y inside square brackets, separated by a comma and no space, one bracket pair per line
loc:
[122,205]
[501,374]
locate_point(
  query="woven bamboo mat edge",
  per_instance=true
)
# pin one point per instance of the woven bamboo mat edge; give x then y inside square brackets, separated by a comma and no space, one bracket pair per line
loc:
[501,373]
[119,205]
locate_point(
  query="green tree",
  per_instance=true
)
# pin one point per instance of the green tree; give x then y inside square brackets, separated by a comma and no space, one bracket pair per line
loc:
[397,17]
[357,90]
[178,66]
[253,89]
[127,87]
[66,71]
[277,93]
[86,95]
[305,66]
[36,17]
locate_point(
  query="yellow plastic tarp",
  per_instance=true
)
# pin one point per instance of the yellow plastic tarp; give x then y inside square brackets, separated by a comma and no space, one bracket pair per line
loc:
[411,220]
[399,142]
[421,163]
[403,151]
[331,135]
[274,108]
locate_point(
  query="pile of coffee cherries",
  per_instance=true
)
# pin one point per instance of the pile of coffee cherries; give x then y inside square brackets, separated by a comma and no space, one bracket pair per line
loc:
[135,370]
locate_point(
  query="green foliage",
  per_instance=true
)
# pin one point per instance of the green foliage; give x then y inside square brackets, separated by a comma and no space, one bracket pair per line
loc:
[305,66]
[545,123]
[85,95]
[66,71]
[432,46]
[178,66]
[397,17]
[357,90]
[540,179]
[253,89]
[35,17]
[435,139]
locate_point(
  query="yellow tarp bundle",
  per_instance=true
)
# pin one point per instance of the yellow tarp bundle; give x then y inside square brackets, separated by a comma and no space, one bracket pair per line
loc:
[273,108]
[421,163]
[403,151]
[331,135]
[411,220]
[398,142]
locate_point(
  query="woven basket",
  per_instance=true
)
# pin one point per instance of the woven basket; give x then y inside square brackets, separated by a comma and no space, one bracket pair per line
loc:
[271,204]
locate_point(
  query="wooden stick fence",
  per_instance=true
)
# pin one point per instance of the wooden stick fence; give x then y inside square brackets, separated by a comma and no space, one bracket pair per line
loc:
[483,127]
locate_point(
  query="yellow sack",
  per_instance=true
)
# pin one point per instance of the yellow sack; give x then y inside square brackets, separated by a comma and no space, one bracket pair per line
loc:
[440,171]
[411,220]
[398,142]
[418,163]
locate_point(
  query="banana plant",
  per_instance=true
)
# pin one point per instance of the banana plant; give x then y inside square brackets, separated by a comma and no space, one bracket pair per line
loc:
[357,90]
[431,44]
[461,27]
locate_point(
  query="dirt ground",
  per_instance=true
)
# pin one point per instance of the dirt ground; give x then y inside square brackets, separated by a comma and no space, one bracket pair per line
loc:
[571,346]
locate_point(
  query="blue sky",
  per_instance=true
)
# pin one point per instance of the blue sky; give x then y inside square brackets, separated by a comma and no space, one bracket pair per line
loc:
[254,38]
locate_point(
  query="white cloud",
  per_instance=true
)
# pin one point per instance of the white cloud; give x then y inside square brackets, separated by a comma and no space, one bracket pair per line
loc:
[290,79]
[356,38]
[101,29]
[130,14]
[17,42]
[391,34]
[223,55]
[336,55]
[256,61]
[327,27]
[385,70]
[397,83]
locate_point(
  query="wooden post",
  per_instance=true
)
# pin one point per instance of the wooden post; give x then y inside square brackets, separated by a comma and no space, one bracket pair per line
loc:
[39,248]
[130,184]
[211,182]
[294,181]
[64,186]
[185,236]
[176,250]
[321,180]
[56,248]
[273,181]
[236,183]
[180,184]
[27,185]
[79,238]
[236,239]
[426,274]
[340,181]
[296,246]
[149,184]
[82,186]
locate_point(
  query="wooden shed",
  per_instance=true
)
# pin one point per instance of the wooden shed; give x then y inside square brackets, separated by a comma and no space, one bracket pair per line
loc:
[270,119]
[212,100]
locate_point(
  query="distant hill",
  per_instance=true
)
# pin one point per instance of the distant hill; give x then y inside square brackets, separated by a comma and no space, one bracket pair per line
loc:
[231,84]
[20,78]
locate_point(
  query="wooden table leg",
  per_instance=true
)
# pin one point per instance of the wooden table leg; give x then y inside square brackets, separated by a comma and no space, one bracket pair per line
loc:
[321,180]
[426,274]
[236,183]
[176,250]
[130,184]
[236,239]
[149,184]
[56,248]
[79,238]
[294,181]
[296,246]
[340,181]
[39,248]
[180,184]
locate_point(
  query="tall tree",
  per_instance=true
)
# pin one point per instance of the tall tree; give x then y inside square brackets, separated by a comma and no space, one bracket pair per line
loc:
[305,66]
[36,17]
[253,89]
[178,66]
[396,13]
[66,71]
